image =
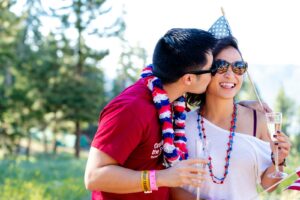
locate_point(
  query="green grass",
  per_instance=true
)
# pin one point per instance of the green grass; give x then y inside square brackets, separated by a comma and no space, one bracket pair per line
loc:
[43,177]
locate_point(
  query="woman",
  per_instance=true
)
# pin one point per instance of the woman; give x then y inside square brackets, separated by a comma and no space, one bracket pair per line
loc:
[240,152]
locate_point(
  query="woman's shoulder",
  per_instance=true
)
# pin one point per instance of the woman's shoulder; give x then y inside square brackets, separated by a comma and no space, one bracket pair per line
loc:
[191,119]
[249,112]
[192,113]
[246,112]
[261,125]
[262,128]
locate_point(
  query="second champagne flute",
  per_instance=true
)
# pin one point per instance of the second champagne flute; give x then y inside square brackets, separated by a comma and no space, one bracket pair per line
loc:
[274,120]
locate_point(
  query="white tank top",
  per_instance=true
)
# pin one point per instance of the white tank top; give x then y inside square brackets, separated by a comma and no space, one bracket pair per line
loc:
[250,157]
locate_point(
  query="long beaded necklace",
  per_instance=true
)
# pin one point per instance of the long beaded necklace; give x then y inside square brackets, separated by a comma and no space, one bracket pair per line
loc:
[202,136]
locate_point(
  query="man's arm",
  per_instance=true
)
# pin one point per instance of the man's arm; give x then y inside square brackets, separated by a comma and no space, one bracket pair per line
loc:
[253,104]
[104,174]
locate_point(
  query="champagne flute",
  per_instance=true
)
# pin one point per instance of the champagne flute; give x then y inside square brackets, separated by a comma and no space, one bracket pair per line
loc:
[202,152]
[274,121]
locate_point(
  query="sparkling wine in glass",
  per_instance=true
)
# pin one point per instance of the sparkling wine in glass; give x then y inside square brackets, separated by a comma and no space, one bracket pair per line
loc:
[274,121]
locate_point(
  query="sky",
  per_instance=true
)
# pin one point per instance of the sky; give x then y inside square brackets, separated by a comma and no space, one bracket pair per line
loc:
[267,31]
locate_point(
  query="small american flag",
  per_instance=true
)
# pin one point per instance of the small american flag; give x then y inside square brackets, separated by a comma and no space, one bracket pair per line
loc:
[220,28]
[296,184]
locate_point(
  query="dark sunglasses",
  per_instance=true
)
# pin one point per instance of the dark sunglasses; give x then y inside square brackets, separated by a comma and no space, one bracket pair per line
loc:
[198,72]
[221,66]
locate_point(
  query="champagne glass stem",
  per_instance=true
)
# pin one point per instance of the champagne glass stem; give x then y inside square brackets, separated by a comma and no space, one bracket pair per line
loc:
[198,193]
[198,153]
[276,159]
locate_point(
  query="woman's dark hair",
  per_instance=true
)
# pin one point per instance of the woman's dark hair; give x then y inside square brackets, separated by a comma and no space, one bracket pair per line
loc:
[223,43]
[181,50]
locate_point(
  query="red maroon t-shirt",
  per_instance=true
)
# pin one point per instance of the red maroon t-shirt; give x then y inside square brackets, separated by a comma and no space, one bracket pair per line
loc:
[129,131]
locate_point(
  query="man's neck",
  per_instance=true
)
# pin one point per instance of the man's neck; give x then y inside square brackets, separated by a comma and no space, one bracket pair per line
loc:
[173,91]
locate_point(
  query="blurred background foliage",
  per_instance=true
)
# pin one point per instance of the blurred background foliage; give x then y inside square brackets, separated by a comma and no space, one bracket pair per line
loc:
[53,87]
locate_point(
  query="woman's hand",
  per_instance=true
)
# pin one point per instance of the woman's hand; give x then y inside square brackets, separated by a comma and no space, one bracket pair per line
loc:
[283,144]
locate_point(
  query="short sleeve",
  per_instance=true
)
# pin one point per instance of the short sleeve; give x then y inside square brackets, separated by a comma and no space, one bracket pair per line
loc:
[263,155]
[119,131]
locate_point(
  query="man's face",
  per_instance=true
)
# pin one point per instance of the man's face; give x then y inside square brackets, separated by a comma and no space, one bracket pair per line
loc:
[201,81]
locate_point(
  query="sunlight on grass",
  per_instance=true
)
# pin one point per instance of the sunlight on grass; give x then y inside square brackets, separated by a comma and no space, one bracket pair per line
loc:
[43,177]
[48,177]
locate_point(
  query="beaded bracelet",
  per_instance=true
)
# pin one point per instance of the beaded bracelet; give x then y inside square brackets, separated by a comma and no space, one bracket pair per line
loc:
[280,164]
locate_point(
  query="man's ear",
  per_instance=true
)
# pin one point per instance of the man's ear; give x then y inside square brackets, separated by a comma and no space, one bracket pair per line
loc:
[187,79]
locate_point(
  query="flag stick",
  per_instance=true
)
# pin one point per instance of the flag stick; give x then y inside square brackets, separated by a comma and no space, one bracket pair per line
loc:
[255,91]
[250,79]
[222,10]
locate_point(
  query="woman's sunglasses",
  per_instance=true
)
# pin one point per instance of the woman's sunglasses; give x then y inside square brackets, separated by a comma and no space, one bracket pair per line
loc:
[221,66]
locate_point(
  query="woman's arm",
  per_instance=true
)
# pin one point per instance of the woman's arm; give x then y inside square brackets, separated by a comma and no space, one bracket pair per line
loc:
[283,144]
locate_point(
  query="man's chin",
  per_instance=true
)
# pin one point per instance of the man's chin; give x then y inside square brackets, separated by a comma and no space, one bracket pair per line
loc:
[198,92]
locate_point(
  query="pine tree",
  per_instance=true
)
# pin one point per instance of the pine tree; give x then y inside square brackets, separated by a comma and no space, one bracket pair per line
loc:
[83,82]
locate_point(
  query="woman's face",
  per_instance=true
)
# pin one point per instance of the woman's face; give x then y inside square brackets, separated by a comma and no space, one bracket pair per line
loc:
[228,84]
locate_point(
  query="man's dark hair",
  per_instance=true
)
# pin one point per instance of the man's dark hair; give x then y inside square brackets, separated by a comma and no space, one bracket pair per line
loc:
[181,50]
[223,43]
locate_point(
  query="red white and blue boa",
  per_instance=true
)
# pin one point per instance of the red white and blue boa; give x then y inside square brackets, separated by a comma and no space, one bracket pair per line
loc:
[173,133]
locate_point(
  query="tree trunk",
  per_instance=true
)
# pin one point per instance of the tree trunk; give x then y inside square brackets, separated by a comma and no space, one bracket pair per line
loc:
[28,146]
[8,78]
[54,136]
[45,141]
[77,141]
[18,146]
[54,151]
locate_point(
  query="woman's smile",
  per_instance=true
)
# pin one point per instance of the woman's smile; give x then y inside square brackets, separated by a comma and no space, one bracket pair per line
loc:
[227,85]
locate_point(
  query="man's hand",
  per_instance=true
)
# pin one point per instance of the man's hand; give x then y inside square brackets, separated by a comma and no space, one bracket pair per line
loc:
[185,172]
[254,104]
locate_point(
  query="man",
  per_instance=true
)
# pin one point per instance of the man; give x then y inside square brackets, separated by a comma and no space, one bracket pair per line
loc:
[136,127]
